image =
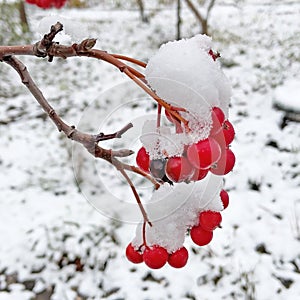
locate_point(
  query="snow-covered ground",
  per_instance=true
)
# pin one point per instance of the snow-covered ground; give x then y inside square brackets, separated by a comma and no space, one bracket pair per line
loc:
[54,242]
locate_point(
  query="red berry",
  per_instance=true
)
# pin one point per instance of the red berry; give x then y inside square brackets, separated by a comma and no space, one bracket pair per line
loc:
[30,1]
[204,153]
[179,258]
[200,236]
[155,257]
[210,220]
[224,198]
[218,119]
[226,135]
[225,164]
[229,132]
[179,169]
[59,3]
[133,255]
[43,3]
[199,174]
[143,159]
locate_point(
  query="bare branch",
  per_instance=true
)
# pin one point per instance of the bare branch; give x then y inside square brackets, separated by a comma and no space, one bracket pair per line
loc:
[195,11]
[136,195]
[103,137]
[90,142]
[209,8]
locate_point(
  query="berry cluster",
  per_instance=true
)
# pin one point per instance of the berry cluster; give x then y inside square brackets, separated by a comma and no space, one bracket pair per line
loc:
[211,154]
[47,3]
[155,257]
[198,159]
[188,157]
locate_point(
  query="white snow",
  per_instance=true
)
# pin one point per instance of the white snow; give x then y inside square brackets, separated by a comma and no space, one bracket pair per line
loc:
[42,207]
[174,209]
[287,96]
[185,75]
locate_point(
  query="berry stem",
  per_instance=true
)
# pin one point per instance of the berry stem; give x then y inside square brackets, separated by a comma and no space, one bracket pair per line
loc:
[144,235]
[136,195]
[158,116]
[130,59]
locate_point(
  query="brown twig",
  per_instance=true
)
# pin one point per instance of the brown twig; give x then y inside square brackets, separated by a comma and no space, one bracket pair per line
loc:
[130,59]
[90,142]
[46,47]
[136,195]
[104,137]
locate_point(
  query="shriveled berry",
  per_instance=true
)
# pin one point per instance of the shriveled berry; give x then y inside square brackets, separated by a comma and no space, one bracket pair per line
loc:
[133,255]
[158,170]
[155,257]
[179,258]
[210,220]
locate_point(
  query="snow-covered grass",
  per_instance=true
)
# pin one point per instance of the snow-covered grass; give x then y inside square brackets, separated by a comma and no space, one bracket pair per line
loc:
[54,242]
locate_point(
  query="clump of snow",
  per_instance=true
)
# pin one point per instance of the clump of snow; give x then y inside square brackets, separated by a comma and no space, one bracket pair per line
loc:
[160,141]
[175,208]
[70,33]
[288,100]
[185,75]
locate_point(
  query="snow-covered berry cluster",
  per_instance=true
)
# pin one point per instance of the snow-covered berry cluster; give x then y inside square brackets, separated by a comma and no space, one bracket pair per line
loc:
[47,3]
[189,155]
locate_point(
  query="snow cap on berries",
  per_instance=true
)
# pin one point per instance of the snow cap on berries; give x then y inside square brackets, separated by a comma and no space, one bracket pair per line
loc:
[185,75]
[174,209]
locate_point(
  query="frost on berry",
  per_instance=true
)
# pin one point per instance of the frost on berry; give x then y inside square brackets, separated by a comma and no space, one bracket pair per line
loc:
[210,220]
[174,209]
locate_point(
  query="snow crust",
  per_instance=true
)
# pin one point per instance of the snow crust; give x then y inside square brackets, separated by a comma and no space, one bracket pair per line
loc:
[185,75]
[288,100]
[73,30]
[174,209]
